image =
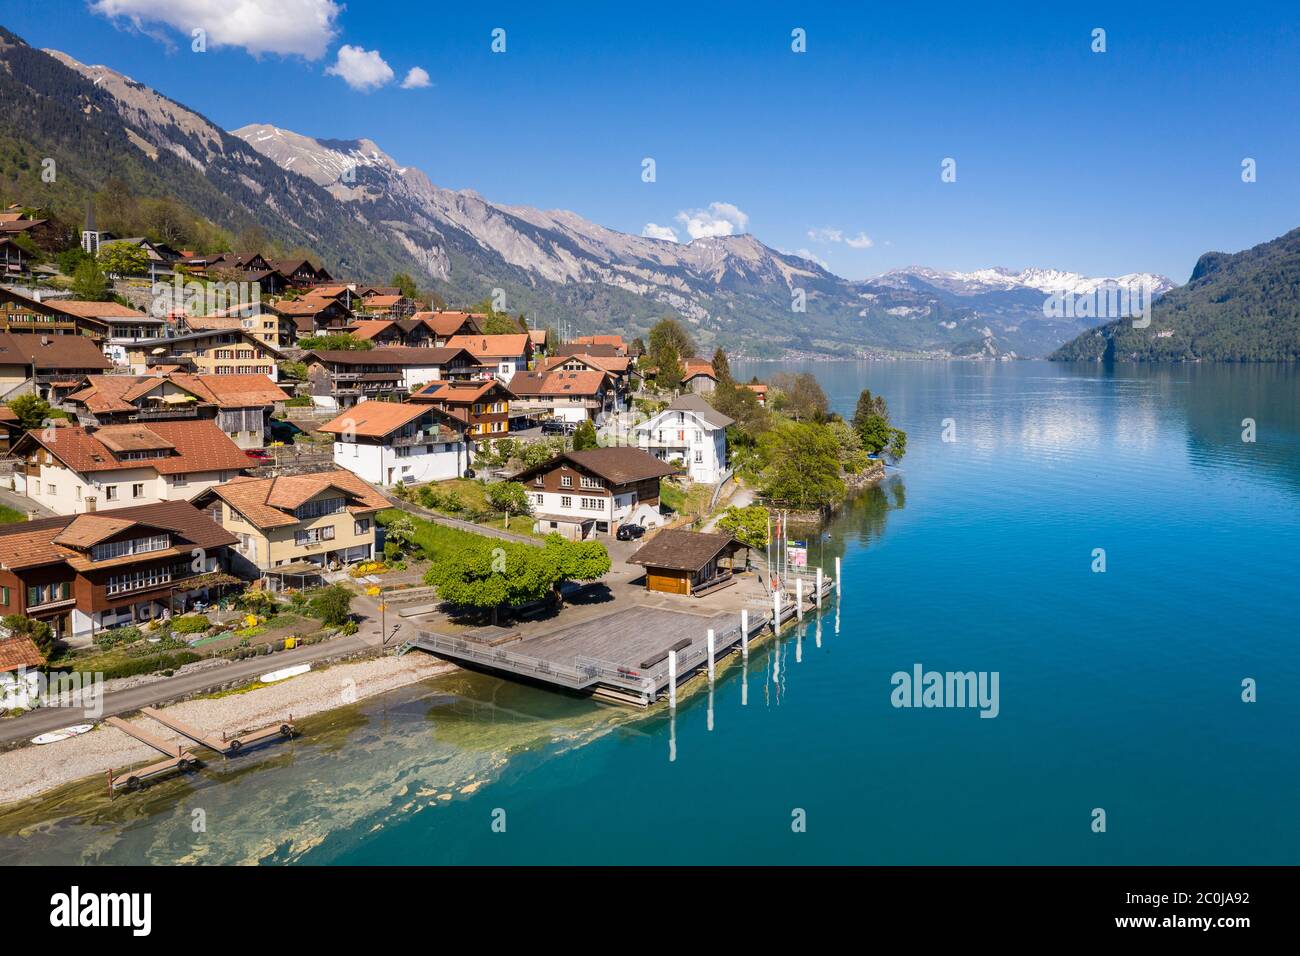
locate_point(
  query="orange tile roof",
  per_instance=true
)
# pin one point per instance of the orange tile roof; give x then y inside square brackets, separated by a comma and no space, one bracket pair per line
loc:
[269,502]
[54,352]
[95,310]
[16,652]
[117,393]
[525,384]
[695,366]
[460,393]
[199,446]
[447,323]
[491,346]
[369,328]
[374,419]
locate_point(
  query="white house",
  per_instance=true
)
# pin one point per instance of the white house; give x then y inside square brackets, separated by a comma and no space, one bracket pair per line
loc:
[689,431]
[499,356]
[389,443]
[73,470]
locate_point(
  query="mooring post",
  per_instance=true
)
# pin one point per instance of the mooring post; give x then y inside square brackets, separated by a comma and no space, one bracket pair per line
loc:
[744,633]
[819,587]
[798,597]
[672,680]
[776,612]
[837,576]
[710,645]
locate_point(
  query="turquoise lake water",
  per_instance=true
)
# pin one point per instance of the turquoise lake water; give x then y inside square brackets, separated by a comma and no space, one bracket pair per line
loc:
[1118,690]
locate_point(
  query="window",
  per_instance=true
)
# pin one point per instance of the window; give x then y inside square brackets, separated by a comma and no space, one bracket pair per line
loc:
[314,509]
[566,481]
[135,580]
[592,482]
[541,499]
[77,492]
[118,549]
[46,593]
[314,535]
[110,492]
[538,481]
[699,455]
[566,501]
[51,489]
[592,504]
[137,490]
[362,526]
[180,480]
[4,596]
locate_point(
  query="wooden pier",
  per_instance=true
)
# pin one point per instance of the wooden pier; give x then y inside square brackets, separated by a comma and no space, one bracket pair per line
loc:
[633,656]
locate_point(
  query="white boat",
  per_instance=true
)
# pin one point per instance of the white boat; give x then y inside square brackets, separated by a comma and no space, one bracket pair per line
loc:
[64,734]
[284,673]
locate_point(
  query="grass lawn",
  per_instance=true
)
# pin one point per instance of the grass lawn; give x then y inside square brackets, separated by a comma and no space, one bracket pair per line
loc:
[437,541]
[694,501]
[11,515]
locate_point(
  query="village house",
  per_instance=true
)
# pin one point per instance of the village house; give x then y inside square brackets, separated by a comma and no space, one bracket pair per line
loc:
[292,527]
[580,494]
[76,469]
[585,342]
[301,273]
[54,316]
[43,232]
[340,378]
[540,340]
[263,326]
[445,325]
[618,367]
[211,352]
[46,365]
[499,356]
[241,405]
[89,573]
[386,306]
[567,396]
[484,406]
[390,443]
[698,376]
[388,333]
[760,390]
[13,261]
[687,562]
[690,433]
[19,679]
[310,316]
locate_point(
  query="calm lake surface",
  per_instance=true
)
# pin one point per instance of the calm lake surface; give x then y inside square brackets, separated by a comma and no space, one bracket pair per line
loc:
[1119,690]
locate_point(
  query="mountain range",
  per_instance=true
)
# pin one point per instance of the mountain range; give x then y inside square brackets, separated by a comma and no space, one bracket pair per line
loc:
[366,217]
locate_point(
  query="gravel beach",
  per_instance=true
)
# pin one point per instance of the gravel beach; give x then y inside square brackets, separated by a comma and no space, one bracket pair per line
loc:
[32,770]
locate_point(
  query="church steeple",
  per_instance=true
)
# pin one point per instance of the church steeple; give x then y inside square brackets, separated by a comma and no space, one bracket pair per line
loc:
[89,234]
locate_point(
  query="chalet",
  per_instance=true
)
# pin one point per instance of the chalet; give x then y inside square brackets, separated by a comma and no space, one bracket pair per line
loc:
[760,390]
[46,365]
[386,306]
[687,562]
[618,367]
[47,234]
[483,405]
[614,342]
[698,376]
[400,333]
[345,294]
[241,405]
[209,352]
[311,316]
[20,313]
[500,356]
[539,339]
[340,378]
[445,325]
[159,257]
[568,396]
[76,469]
[226,264]
[690,433]
[301,273]
[13,261]
[584,493]
[264,326]
[389,443]
[88,573]
[290,528]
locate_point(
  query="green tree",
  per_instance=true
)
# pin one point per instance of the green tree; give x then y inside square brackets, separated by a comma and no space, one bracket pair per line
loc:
[670,346]
[509,497]
[573,561]
[69,259]
[40,633]
[32,410]
[877,435]
[335,342]
[123,259]
[333,605]
[722,367]
[803,467]
[491,576]
[800,396]
[584,436]
[405,285]
[88,282]
[400,531]
[747,525]
[853,457]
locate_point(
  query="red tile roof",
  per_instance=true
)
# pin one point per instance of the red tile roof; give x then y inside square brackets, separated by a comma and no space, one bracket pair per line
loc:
[16,652]
[269,502]
[199,446]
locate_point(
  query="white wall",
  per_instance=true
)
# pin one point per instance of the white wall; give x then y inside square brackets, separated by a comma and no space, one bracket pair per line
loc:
[376,463]
[699,436]
[71,490]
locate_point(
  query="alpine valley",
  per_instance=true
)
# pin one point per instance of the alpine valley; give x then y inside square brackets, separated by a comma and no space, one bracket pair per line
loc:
[366,216]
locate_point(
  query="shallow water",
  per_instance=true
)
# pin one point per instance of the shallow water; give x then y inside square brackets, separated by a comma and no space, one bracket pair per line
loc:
[1119,691]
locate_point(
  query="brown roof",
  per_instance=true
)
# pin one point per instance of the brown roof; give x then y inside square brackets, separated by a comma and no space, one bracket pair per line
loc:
[492,346]
[42,541]
[614,340]
[396,355]
[199,446]
[233,391]
[525,384]
[269,502]
[615,364]
[381,301]
[682,550]
[618,466]
[95,310]
[16,652]
[51,351]
[88,529]
[448,323]
[374,419]
[695,366]
[369,328]
[459,393]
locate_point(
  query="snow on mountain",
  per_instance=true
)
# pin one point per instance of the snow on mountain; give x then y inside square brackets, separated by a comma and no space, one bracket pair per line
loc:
[999,279]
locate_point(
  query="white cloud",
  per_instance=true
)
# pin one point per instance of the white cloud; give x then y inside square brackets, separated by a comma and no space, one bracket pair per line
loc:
[652,231]
[360,69]
[417,78]
[720,219]
[288,27]
[830,234]
[811,257]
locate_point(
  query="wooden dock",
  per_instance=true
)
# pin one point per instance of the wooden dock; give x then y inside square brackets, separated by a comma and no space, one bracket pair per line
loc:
[623,656]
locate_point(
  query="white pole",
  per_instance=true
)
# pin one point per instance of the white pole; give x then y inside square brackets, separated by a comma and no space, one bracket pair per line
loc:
[710,723]
[672,680]
[744,633]
[798,597]
[776,611]
[837,576]
[710,643]
[819,587]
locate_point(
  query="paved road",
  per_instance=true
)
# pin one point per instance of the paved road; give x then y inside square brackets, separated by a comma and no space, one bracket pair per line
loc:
[133,698]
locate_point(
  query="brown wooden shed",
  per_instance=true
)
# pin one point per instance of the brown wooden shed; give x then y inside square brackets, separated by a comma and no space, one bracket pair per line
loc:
[687,562]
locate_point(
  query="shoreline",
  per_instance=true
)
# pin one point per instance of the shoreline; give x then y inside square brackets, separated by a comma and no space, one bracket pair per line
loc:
[34,770]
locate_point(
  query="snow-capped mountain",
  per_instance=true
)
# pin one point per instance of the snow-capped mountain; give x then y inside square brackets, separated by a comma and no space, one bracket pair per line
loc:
[367,216]
[999,279]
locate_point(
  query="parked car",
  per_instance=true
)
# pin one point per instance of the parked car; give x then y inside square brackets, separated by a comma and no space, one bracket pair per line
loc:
[555,426]
[259,454]
[629,532]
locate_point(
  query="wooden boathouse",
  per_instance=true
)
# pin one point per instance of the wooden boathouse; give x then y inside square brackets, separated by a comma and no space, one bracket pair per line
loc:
[687,562]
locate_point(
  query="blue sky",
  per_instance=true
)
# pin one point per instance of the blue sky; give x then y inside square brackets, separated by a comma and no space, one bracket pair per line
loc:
[1101,163]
